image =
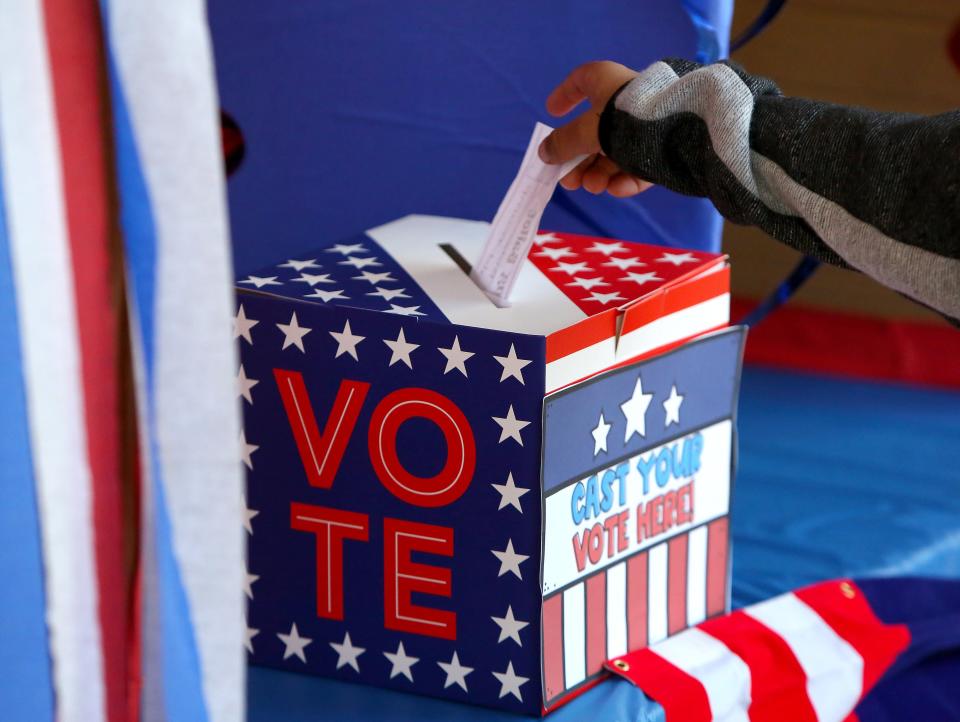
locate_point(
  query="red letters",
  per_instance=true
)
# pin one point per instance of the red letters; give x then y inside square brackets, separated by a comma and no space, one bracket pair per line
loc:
[402,576]
[320,454]
[457,473]
[331,527]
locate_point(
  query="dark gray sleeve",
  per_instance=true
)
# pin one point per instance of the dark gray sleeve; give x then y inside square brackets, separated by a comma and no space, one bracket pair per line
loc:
[879,192]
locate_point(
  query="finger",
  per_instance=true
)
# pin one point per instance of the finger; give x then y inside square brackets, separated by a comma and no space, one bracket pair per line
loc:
[571,92]
[577,137]
[597,176]
[624,185]
[574,179]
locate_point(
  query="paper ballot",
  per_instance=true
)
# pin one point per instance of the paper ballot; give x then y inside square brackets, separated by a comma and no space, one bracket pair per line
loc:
[517,220]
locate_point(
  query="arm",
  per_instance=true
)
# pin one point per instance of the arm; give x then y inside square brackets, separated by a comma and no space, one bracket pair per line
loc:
[879,192]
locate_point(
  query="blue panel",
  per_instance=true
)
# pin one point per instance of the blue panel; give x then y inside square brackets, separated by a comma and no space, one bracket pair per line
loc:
[357,112]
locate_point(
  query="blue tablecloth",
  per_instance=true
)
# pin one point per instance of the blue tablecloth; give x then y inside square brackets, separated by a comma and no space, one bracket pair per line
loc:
[836,478]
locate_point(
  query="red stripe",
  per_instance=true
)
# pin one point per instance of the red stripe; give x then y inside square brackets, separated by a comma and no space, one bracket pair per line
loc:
[637,601]
[777,681]
[553,647]
[582,334]
[844,607]
[677,584]
[676,297]
[596,623]
[682,697]
[717,562]
[856,346]
[75,46]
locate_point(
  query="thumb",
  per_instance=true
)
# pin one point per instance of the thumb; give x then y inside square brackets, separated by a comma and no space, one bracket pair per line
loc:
[578,137]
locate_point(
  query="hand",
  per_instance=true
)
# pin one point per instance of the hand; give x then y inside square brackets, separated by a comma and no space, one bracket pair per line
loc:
[596,83]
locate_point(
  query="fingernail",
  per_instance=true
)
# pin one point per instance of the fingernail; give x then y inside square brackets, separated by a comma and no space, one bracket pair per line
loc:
[544,152]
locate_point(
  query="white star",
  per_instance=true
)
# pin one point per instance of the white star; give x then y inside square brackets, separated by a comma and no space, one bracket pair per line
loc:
[555,254]
[293,333]
[510,682]
[672,407]
[510,561]
[456,357]
[242,326]
[604,298]
[510,626]
[347,653]
[248,581]
[346,341]
[510,426]
[246,450]
[510,493]
[512,365]
[298,266]
[401,350]
[600,435]
[248,638]
[294,644]
[542,238]
[327,295]
[313,278]
[635,411]
[402,662]
[375,278]
[346,250]
[261,281]
[641,278]
[624,264]
[677,259]
[571,269]
[456,672]
[607,249]
[248,515]
[405,310]
[388,294]
[244,385]
[357,262]
[587,283]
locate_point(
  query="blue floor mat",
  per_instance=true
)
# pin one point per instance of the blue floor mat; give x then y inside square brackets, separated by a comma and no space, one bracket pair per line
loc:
[836,478]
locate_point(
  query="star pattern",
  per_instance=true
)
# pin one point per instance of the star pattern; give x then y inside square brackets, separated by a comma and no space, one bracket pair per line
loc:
[671,407]
[600,433]
[294,645]
[456,672]
[327,296]
[456,357]
[246,450]
[248,636]
[510,561]
[347,342]
[248,581]
[401,662]
[261,281]
[512,365]
[242,326]
[347,653]
[511,426]
[677,259]
[510,682]
[248,515]
[510,626]
[298,266]
[635,411]
[313,278]
[293,333]
[510,494]
[400,350]
[244,385]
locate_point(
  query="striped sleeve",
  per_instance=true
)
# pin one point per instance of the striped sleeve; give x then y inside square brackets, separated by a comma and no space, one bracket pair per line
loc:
[878,192]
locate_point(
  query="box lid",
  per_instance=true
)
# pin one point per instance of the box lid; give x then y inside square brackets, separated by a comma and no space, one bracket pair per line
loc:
[418,266]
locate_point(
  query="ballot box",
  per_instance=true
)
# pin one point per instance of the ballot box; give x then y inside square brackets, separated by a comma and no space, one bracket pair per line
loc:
[475,502]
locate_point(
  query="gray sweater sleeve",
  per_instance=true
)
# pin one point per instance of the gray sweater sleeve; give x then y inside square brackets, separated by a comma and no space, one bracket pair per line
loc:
[879,192]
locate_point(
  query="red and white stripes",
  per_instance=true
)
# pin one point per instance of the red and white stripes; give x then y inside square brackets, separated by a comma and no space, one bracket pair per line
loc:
[639,601]
[814,652]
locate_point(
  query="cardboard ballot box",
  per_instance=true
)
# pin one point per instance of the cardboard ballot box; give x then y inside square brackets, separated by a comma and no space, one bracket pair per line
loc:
[483,503]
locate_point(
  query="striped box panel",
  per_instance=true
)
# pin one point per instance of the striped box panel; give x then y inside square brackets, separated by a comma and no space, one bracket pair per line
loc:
[639,601]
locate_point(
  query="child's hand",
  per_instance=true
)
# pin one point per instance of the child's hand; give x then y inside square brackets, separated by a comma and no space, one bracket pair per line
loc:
[595,82]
